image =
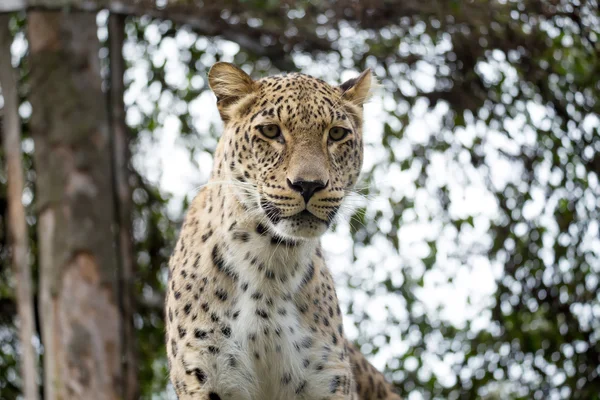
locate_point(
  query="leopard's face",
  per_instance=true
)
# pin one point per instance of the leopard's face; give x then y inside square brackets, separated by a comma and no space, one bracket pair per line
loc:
[293,144]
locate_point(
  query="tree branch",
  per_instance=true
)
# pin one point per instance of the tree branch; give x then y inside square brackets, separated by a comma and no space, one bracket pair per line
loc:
[122,200]
[205,19]
[17,225]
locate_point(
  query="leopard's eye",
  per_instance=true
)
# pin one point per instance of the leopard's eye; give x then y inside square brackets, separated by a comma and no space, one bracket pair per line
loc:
[338,133]
[271,131]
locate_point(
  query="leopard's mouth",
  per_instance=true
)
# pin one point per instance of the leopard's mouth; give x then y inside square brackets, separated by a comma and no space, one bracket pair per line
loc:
[274,214]
[301,225]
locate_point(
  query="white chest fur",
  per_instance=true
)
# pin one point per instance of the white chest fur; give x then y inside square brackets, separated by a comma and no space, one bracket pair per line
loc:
[269,334]
[286,360]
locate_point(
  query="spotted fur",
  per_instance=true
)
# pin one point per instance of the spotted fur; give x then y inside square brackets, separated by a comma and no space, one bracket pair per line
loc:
[251,308]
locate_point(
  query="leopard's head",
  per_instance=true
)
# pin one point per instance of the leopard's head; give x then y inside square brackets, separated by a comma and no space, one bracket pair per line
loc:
[292,144]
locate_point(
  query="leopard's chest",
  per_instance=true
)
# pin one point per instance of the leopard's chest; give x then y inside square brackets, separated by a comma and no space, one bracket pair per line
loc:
[288,360]
[283,323]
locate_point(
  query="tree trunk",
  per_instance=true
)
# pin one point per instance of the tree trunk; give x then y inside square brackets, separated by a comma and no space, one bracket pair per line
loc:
[17,226]
[79,299]
[121,175]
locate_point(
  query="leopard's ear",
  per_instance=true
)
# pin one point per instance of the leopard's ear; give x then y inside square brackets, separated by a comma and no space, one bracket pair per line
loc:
[358,90]
[229,83]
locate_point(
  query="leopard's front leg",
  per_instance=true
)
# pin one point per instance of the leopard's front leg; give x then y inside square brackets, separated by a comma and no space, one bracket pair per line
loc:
[208,367]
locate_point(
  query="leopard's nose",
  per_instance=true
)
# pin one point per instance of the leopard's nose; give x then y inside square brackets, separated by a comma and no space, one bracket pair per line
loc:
[307,188]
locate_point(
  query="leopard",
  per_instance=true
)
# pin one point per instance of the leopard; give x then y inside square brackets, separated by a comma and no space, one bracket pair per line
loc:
[251,309]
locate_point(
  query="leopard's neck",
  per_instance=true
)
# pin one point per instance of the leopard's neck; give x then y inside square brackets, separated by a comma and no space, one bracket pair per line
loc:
[247,248]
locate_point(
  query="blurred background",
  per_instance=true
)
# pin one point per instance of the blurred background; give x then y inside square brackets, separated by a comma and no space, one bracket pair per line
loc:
[467,265]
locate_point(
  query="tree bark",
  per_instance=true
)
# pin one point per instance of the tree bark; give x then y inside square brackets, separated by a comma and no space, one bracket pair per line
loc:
[17,226]
[79,299]
[123,205]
